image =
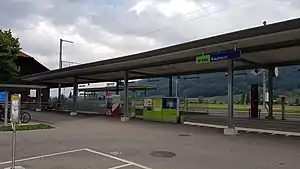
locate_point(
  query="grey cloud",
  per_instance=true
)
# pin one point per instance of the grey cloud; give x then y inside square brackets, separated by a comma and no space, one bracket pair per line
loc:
[113,16]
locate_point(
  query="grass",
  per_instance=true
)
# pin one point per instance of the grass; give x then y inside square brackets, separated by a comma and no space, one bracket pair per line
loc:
[238,108]
[27,127]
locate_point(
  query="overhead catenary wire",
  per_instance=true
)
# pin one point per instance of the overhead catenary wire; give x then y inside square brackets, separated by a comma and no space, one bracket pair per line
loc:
[193,19]
[188,13]
[184,21]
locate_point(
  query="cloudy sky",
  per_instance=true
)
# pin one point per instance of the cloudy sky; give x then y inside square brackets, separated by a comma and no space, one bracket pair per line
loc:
[103,29]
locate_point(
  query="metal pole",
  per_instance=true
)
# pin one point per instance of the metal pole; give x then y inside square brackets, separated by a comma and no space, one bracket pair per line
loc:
[75,96]
[171,86]
[126,94]
[230,92]
[6,108]
[270,84]
[264,76]
[176,87]
[39,99]
[60,53]
[60,66]
[60,63]
[283,108]
[13,145]
[117,87]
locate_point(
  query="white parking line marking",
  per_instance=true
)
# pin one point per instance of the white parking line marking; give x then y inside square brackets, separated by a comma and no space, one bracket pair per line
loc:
[43,156]
[120,166]
[117,158]
[128,163]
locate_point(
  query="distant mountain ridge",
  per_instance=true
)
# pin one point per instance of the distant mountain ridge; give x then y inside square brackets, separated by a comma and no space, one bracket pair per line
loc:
[215,84]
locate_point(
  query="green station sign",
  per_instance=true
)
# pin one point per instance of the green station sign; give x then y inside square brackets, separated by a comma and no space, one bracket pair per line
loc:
[230,55]
[203,59]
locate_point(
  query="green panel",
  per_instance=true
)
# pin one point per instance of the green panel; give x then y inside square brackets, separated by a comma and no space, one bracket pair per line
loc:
[169,115]
[203,59]
[152,115]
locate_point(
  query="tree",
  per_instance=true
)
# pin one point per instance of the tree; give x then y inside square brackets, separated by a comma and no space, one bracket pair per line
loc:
[9,48]
[243,98]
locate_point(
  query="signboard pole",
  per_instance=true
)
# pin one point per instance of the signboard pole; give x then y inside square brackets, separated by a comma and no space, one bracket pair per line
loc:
[13,125]
[14,118]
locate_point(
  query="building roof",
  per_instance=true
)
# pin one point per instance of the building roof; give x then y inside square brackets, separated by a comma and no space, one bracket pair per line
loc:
[264,46]
[22,54]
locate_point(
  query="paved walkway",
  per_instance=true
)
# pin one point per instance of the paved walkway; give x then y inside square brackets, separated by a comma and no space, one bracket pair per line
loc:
[96,140]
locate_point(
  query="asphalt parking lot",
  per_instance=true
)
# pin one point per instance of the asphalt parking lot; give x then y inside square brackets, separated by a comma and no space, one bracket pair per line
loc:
[105,142]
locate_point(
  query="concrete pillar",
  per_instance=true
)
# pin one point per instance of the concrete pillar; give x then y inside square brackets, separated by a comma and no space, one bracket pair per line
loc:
[39,100]
[75,97]
[270,88]
[6,107]
[125,101]
[170,86]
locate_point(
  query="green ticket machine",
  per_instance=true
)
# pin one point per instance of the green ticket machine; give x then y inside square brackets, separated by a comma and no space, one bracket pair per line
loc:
[161,109]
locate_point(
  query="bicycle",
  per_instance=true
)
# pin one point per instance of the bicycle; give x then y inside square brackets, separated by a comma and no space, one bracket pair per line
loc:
[25,117]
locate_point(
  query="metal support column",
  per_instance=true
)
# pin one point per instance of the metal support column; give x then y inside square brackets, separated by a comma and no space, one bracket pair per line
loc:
[39,99]
[264,75]
[270,88]
[171,86]
[145,93]
[117,87]
[75,97]
[60,66]
[6,107]
[230,130]
[126,112]
[230,94]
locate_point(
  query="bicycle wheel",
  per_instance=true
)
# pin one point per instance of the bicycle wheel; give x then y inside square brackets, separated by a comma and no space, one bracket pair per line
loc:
[25,117]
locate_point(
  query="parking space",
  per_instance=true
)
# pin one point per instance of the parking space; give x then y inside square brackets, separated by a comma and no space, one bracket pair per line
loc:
[74,159]
[105,142]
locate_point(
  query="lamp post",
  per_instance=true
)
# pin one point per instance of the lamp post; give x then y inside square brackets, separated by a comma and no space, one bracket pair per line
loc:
[60,63]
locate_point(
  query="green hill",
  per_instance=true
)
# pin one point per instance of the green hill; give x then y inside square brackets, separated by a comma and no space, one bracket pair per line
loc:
[215,84]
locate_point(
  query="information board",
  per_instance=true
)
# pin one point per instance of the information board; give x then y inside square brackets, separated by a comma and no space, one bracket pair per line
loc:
[218,57]
[2,97]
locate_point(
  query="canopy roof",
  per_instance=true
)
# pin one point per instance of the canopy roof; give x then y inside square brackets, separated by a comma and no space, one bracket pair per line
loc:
[265,46]
[121,88]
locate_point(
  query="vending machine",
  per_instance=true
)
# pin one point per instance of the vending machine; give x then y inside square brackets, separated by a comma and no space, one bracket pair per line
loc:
[164,109]
[113,105]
